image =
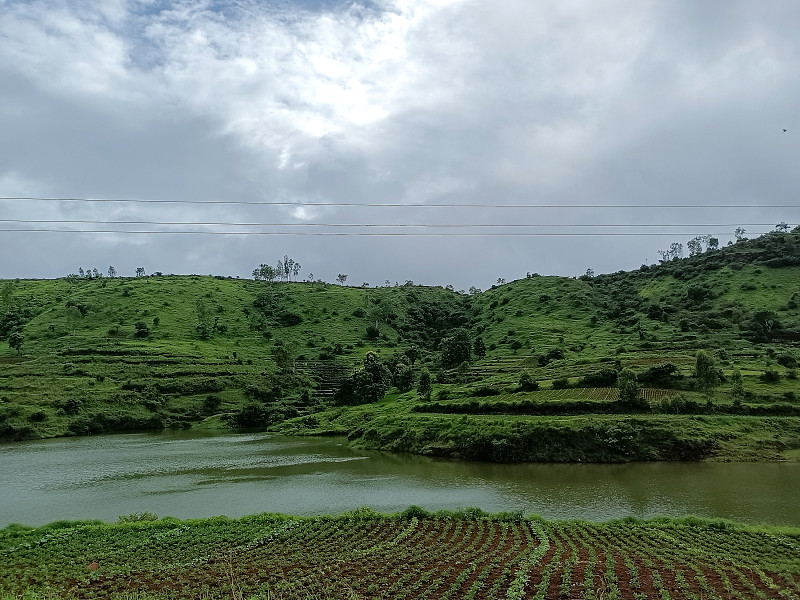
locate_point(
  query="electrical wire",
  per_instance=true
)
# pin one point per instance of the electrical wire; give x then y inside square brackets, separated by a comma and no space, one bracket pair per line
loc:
[392,225]
[387,204]
[360,233]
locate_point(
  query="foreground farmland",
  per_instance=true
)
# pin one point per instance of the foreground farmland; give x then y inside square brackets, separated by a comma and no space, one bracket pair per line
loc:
[412,555]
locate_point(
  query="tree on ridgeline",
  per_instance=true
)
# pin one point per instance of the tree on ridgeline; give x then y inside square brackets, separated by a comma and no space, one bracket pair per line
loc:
[694,246]
[265,273]
[341,278]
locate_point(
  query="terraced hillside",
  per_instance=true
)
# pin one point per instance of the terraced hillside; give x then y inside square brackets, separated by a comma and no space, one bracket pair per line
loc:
[541,354]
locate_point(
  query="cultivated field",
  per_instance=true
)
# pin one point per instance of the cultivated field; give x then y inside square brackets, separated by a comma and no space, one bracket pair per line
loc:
[413,555]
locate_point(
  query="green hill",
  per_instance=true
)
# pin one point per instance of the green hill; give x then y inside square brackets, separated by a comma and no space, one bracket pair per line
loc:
[524,371]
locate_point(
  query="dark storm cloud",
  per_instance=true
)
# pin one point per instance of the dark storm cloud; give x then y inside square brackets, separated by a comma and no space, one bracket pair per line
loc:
[406,101]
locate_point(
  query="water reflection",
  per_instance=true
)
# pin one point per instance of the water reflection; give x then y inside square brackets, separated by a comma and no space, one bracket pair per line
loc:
[186,474]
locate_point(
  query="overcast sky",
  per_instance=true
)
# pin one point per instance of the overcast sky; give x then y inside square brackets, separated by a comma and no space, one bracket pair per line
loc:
[401,102]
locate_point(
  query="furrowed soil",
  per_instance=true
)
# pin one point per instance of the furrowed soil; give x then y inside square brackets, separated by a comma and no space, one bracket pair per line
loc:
[412,555]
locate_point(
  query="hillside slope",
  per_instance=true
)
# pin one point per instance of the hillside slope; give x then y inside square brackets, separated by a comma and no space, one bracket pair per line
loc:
[118,354]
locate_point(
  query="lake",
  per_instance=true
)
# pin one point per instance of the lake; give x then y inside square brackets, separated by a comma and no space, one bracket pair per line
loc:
[191,474]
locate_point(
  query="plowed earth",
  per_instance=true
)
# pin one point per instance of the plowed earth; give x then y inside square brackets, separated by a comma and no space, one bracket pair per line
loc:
[367,556]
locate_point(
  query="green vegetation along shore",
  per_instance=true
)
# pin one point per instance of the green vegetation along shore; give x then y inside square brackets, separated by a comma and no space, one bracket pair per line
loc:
[361,554]
[693,358]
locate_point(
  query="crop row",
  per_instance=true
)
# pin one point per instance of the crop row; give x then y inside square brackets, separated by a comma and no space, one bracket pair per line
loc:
[363,555]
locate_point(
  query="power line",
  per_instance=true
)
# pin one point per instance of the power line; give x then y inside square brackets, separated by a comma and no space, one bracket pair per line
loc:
[358,233]
[393,225]
[387,204]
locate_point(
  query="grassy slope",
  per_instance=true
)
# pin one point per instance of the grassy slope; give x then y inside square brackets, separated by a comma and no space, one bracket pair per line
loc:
[82,369]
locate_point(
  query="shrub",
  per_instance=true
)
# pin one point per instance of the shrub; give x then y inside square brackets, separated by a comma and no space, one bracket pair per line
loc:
[137,517]
[770,376]
[141,329]
[483,392]
[604,378]
[526,383]
[561,383]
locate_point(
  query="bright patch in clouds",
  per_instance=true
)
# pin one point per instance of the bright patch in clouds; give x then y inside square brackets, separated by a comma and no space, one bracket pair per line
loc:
[395,101]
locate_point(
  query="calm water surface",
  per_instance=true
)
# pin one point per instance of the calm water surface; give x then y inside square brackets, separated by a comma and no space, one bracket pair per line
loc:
[189,474]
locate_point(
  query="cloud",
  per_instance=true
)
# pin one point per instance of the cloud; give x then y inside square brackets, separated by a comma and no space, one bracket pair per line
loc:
[395,101]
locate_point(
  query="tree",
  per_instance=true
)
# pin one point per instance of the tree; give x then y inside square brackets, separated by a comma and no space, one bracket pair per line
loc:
[694,246]
[341,278]
[112,272]
[479,348]
[764,321]
[706,373]
[737,388]
[456,349]
[368,384]
[265,272]
[424,386]
[7,293]
[403,377]
[712,243]
[15,341]
[782,227]
[142,330]
[203,326]
[628,387]
[412,354]
[140,271]
[739,234]
[675,251]
[284,354]
[527,383]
